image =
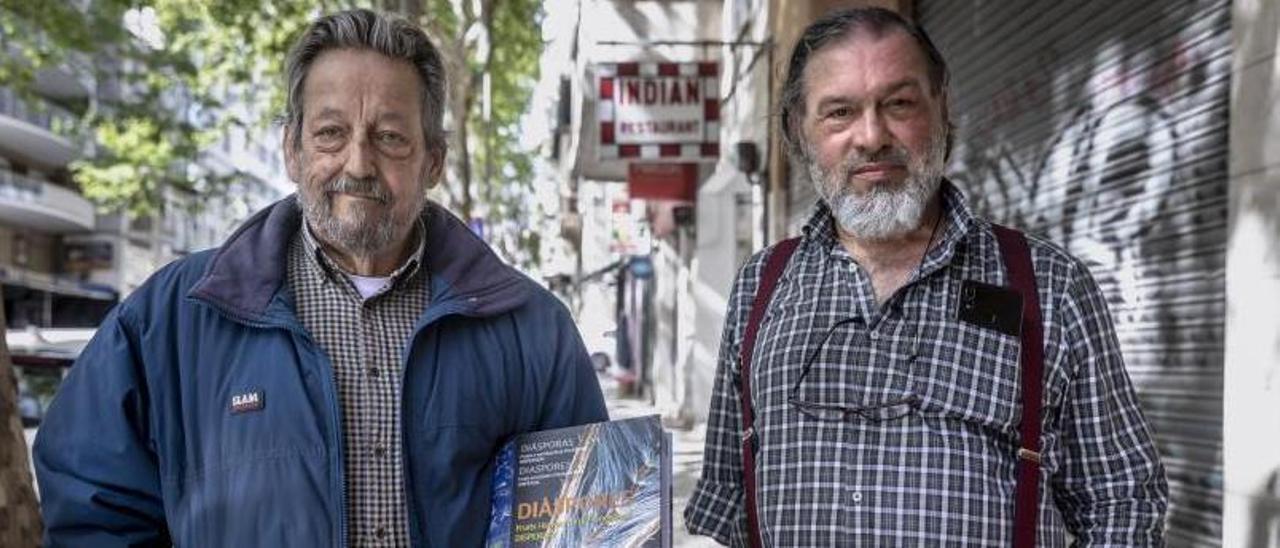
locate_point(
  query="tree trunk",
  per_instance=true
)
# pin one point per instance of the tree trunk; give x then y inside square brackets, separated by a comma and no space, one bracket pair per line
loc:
[452,45]
[19,513]
[463,154]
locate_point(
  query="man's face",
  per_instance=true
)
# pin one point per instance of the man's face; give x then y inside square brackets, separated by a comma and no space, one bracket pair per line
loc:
[363,168]
[874,134]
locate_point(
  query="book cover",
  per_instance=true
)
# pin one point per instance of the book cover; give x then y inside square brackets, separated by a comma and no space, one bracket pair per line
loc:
[602,484]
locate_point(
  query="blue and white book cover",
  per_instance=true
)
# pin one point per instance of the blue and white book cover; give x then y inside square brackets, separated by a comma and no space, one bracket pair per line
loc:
[602,484]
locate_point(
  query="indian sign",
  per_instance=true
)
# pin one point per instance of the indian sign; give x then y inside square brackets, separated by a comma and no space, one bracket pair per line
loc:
[659,110]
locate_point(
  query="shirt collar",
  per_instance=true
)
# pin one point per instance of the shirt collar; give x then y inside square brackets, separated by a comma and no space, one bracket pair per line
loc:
[317,257]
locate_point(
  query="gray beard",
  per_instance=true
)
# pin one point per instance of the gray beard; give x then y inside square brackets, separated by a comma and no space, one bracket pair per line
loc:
[361,233]
[882,212]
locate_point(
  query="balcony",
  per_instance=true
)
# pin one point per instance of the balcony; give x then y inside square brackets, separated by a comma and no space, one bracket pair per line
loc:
[42,206]
[71,80]
[36,132]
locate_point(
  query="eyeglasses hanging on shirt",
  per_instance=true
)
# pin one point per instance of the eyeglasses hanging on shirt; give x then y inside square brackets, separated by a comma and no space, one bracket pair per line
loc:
[820,397]
[824,400]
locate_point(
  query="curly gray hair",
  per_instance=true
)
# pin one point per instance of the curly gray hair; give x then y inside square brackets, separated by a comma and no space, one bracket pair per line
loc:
[365,29]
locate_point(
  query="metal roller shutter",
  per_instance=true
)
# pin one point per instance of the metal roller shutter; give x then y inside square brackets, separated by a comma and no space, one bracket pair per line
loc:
[1103,125]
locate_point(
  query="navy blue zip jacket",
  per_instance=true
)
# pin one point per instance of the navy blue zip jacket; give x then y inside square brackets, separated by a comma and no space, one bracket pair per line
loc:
[141,445]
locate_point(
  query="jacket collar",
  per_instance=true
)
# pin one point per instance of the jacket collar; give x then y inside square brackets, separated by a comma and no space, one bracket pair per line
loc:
[249,270]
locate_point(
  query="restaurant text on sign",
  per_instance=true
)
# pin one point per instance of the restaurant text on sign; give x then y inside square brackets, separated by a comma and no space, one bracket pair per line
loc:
[656,109]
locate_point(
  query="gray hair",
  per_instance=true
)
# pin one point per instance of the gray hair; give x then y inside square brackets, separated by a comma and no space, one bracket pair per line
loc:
[832,27]
[365,29]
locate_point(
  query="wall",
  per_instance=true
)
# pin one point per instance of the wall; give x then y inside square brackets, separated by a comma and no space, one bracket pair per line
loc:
[39,249]
[597,297]
[1103,126]
[726,196]
[6,245]
[1251,514]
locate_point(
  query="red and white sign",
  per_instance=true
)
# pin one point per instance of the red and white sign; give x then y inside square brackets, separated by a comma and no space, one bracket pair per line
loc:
[659,110]
[646,181]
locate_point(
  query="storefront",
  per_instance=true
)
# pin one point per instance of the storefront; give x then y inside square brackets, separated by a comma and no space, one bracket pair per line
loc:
[1104,126]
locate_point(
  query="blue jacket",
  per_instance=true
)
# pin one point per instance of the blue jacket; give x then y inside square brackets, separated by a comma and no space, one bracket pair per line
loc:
[141,444]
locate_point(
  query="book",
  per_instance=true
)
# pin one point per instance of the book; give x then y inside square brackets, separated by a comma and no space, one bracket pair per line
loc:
[601,484]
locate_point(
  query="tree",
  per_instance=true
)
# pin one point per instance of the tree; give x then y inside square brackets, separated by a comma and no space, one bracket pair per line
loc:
[210,56]
[491,50]
[164,69]
[18,509]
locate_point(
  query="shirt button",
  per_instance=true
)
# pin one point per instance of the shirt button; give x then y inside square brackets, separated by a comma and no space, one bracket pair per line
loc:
[379,450]
[857,498]
[374,372]
[380,532]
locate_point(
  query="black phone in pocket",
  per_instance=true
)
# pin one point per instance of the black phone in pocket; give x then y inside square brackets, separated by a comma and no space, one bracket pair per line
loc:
[991,307]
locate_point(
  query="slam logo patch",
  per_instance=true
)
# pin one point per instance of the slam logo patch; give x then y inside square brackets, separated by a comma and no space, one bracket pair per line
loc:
[249,401]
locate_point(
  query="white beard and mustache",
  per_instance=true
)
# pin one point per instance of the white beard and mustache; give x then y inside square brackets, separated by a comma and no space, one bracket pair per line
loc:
[363,231]
[882,212]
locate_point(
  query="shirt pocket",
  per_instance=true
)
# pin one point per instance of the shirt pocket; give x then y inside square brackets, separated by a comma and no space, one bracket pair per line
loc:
[971,374]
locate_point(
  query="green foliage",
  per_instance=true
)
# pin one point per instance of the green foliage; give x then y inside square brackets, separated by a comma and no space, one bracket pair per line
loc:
[513,69]
[140,158]
[171,104]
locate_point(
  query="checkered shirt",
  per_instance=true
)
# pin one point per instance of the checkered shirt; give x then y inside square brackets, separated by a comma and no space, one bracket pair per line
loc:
[365,342]
[941,471]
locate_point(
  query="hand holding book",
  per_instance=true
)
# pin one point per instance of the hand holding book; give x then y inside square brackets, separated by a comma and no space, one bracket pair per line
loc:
[602,484]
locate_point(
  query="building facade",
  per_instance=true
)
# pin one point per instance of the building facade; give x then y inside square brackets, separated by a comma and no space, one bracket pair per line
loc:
[65,263]
[638,135]
[40,207]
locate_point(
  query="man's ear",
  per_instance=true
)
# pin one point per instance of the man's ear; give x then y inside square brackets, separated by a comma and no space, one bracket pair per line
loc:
[435,166]
[947,126]
[292,164]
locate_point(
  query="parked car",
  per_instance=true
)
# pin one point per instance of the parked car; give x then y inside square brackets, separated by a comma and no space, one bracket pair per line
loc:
[41,358]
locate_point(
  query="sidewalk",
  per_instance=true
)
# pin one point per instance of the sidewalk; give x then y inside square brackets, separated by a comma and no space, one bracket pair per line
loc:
[686,461]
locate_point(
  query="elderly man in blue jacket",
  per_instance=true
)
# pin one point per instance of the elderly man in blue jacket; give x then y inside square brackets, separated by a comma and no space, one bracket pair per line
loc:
[342,370]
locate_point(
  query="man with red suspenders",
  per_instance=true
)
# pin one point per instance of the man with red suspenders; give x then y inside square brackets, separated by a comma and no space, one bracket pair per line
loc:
[905,373]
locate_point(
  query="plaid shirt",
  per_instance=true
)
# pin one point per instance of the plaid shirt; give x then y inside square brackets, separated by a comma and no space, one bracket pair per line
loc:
[365,340]
[941,470]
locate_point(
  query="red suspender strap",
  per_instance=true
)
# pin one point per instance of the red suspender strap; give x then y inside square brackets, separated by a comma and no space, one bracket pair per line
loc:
[773,268]
[1017,263]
